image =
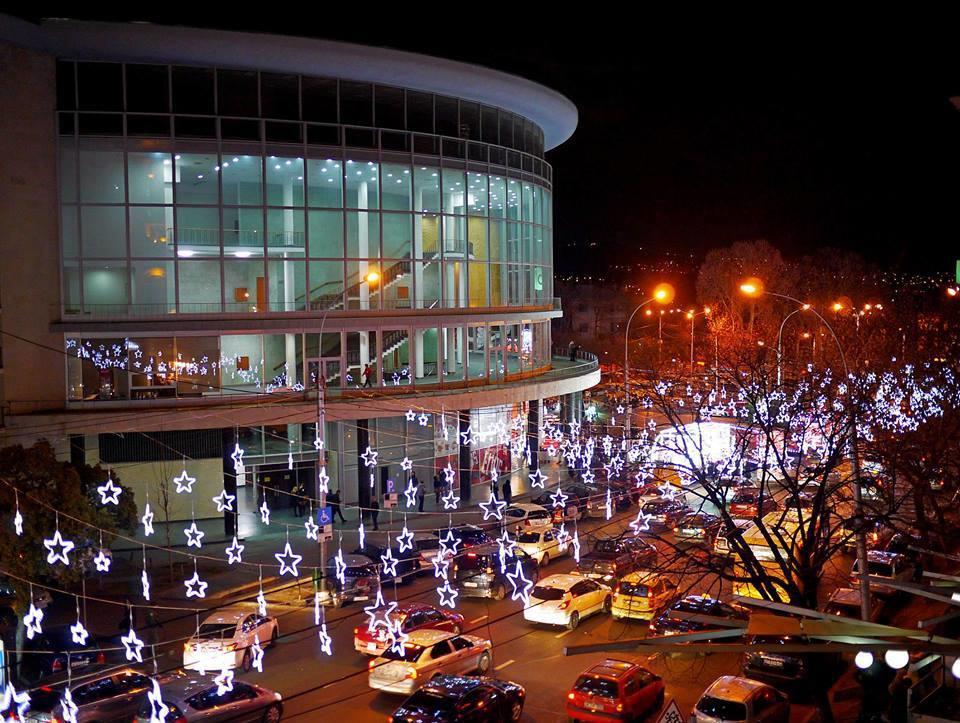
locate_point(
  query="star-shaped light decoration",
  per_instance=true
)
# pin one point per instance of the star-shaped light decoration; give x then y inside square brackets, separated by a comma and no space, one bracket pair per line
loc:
[237,458]
[448,544]
[559,499]
[133,645]
[184,482]
[537,478]
[265,513]
[397,638]
[193,535]
[362,535]
[147,520]
[341,567]
[369,457]
[224,501]
[410,415]
[450,501]
[326,642]
[317,442]
[406,464]
[405,539]
[493,507]
[608,505]
[441,565]
[323,481]
[109,492]
[449,474]
[57,548]
[224,681]
[467,435]
[234,552]
[668,490]
[562,537]
[313,529]
[158,709]
[422,419]
[411,494]
[641,524]
[195,586]
[261,603]
[32,621]
[78,633]
[520,591]
[10,697]
[18,523]
[379,612]
[102,561]
[145,585]
[588,477]
[576,546]
[257,651]
[448,594]
[507,546]
[68,707]
[389,563]
[288,561]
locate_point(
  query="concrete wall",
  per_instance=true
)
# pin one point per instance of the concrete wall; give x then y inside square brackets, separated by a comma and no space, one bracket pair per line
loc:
[147,478]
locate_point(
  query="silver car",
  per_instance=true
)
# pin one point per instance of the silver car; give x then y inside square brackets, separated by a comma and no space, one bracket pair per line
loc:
[111,694]
[194,698]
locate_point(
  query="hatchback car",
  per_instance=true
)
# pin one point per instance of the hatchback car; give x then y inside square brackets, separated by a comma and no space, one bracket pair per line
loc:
[887,566]
[361,580]
[665,513]
[426,546]
[425,653]
[408,562]
[611,559]
[697,527]
[110,694]
[524,516]
[543,545]
[797,673]
[748,503]
[730,698]
[194,698]
[411,616]
[672,623]
[478,572]
[469,536]
[641,594]
[225,639]
[450,698]
[614,689]
[565,600]
[51,649]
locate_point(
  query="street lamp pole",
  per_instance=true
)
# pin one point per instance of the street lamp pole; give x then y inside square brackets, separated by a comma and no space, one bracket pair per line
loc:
[780,339]
[662,293]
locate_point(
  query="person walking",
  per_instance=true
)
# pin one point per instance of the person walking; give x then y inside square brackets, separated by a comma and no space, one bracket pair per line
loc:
[419,491]
[507,491]
[437,488]
[374,512]
[333,499]
[368,376]
[494,490]
[299,504]
[572,350]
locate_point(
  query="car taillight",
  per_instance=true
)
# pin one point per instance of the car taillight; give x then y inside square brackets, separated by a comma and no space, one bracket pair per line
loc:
[101,658]
[489,570]
[676,529]
[616,590]
[57,665]
[570,696]
[619,707]
[372,664]
[231,646]
[356,631]
[565,604]
[412,673]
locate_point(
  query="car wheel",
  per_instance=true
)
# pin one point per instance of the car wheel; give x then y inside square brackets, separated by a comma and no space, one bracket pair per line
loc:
[516,710]
[499,592]
[545,560]
[607,604]
[574,620]
[483,665]
[272,715]
[247,661]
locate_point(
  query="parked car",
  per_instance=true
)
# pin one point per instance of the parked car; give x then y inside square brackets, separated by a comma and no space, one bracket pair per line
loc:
[721,544]
[195,698]
[425,653]
[796,673]
[411,616]
[427,546]
[225,639]
[478,572]
[361,580]
[670,623]
[665,513]
[845,602]
[565,599]
[525,515]
[408,562]
[469,536]
[461,699]
[611,559]
[747,503]
[578,497]
[730,698]
[697,527]
[729,487]
[654,492]
[543,545]
[50,650]
[640,594]
[886,566]
[104,695]
[615,689]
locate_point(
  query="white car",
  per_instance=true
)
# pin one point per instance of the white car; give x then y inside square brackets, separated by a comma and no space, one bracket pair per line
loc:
[425,653]
[730,698]
[226,638]
[566,599]
[543,545]
[527,515]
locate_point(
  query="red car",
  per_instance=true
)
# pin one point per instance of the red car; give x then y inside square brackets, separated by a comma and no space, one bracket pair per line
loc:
[412,616]
[615,690]
[746,503]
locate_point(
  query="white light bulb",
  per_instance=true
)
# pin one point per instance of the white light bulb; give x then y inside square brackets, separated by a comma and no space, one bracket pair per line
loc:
[863,659]
[897,659]
[955,668]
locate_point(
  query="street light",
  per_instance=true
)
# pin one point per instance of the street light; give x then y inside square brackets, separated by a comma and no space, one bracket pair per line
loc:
[663,294]
[754,288]
[692,315]
[373,276]
[804,307]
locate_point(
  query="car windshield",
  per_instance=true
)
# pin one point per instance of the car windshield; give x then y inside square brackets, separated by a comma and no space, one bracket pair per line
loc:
[211,631]
[722,709]
[596,686]
[542,592]
[529,537]
[411,652]
[473,561]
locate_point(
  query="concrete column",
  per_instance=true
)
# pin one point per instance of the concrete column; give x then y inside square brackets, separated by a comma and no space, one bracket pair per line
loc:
[464,456]
[418,367]
[417,290]
[450,349]
[78,450]
[229,437]
[363,245]
[363,472]
[533,433]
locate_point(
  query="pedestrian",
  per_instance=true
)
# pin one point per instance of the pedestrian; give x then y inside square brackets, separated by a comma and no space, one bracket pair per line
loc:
[507,491]
[298,502]
[572,349]
[494,490]
[374,512]
[333,499]
[437,488]
[418,491]
[367,376]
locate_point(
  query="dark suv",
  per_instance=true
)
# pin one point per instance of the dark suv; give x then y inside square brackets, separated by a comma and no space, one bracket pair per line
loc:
[672,623]
[477,572]
[50,650]
[610,560]
[798,674]
[463,699]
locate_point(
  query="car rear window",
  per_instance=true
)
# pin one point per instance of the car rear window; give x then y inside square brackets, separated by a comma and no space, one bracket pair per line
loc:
[635,589]
[411,652]
[472,561]
[607,546]
[596,686]
[722,709]
[547,593]
[212,631]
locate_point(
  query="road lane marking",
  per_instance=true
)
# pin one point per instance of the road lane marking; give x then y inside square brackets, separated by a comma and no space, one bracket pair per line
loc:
[560,635]
[477,620]
[504,665]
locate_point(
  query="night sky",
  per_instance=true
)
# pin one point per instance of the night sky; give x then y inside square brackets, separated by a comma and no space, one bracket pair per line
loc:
[688,141]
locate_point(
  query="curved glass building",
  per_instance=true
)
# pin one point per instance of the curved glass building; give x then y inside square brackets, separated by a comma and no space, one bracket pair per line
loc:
[220,223]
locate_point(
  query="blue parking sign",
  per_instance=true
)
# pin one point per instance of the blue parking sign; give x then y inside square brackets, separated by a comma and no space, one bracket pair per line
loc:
[325,516]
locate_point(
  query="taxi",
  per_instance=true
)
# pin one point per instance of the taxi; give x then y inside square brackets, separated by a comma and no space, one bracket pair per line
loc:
[641,594]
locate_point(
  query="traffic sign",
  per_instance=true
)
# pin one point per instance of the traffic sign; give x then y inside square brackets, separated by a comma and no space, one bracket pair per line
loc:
[671,713]
[325,516]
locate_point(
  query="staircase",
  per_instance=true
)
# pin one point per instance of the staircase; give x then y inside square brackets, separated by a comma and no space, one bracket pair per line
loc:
[389,276]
